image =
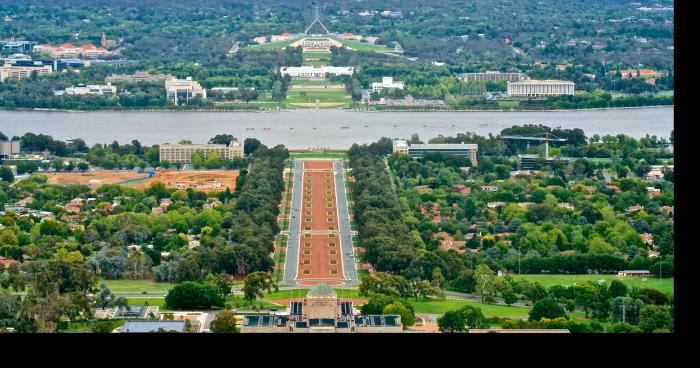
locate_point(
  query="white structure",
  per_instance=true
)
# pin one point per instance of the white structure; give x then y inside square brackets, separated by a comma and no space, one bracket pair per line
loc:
[178,89]
[533,88]
[182,153]
[8,148]
[313,72]
[417,150]
[15,71]
[92,89]
[387,82]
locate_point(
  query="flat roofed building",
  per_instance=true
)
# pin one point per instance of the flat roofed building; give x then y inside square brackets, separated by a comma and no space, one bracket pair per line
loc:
[92,89]
[316,43]
[535,88]
[152,326]
[12,47]
[138,77]
[531,162]
[417,150]
[313,72]
[182,153]
[8,148]
[23,71]
[321,311]
[634,273]
[387,82]
[491,76]
[183,89]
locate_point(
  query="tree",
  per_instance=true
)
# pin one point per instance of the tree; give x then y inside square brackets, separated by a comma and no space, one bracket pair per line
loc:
[224,322]
[438,280]
[102,327]
[408,318]
[190,295]
[654,317]
[586,295]
[624,327]
[547,308]
[485,280]
[6,174]
[462,319]
[222,139]
[625,309]
[255,285]
[617,288]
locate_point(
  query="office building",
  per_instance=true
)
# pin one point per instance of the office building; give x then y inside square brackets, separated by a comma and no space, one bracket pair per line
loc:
[536,88]
[417,150]
[182,153]
[183,89]
[13,47]
[321,311]
[387,82]
[492,76]
[92,89]
[20,70]
[138,77]
[8,148]
[531,162]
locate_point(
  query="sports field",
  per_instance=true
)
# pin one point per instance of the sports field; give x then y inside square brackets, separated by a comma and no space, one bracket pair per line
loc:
[665,285]
[204,180]
[95,179]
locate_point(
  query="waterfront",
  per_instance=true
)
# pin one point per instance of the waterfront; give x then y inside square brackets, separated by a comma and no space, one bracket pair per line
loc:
[320,129]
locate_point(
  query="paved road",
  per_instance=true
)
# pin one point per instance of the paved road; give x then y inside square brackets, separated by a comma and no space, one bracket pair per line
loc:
[292,257]
[349,264]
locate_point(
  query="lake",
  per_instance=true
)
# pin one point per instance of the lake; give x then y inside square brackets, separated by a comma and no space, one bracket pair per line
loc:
[302,129]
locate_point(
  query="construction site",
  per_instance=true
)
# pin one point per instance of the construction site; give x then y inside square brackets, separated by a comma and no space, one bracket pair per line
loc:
[206,181]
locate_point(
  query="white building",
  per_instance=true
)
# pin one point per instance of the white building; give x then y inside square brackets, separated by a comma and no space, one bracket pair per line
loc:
[179,89]
[387,82]
[313,72]
[533,88]
[92,89]
[417,150]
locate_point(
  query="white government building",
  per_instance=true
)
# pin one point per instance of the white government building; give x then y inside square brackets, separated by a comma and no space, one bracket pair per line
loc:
[533,88]
[387,82]
[313,72]
[92,89]
[179,89]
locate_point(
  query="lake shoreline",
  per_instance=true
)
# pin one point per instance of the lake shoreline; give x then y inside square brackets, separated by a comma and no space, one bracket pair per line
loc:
[345,110]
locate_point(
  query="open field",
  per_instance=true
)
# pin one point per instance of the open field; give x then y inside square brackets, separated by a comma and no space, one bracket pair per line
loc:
[362,46]
[435,306]
[135,286]
[665,285]
[274,45]
[204,180]
[153,302]
[95,179]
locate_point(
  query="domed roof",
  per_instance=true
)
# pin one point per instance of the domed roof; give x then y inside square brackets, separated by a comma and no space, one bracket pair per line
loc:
[321,290]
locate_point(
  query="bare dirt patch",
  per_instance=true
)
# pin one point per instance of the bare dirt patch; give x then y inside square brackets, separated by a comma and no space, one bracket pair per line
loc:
[94,179]
[202,180]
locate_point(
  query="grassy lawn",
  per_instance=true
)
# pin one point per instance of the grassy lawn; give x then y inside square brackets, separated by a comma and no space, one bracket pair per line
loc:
[85,327]
[135,286]
[300,293]
[159,302]
[508,104]
[434,306]
[363,46]
[323,95]
[273,45]
[665,285]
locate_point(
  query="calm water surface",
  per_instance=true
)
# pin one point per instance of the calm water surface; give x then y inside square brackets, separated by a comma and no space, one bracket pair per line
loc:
[319,129]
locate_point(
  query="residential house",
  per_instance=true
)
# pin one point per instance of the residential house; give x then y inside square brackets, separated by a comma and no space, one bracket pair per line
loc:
[495,204]
[653,192]
[448,242]
[489,188]
[461,189]
[566,205]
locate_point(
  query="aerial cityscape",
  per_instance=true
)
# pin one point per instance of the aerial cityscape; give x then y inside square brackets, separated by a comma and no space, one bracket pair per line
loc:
[281,166]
